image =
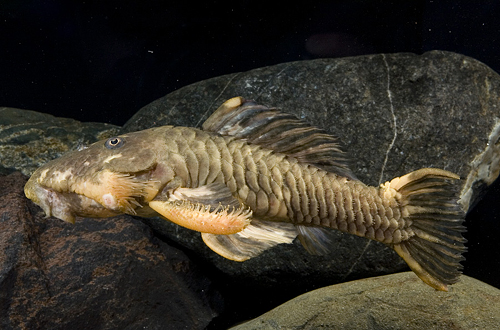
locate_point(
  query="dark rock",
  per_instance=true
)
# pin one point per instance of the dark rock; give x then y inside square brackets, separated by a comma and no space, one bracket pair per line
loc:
[394,112]
[98,274]
[397,301]
[29,139]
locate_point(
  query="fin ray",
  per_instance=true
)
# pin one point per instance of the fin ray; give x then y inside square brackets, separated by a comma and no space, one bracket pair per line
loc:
[434,252]
[213,194]
[223,220]
[257,237]
[281,132]
[314,240]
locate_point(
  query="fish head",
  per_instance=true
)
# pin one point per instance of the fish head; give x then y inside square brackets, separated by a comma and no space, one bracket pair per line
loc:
[110,177]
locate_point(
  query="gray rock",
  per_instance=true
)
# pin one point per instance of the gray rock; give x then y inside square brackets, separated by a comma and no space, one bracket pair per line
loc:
[397,301]
[98,274]
[29,139]
[394,112]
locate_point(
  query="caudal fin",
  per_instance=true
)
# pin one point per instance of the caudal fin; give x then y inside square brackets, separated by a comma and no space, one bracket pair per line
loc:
[434,250]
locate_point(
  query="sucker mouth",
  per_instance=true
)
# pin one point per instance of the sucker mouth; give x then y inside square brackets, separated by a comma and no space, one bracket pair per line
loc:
[65,206]
[50,201]
[106,194]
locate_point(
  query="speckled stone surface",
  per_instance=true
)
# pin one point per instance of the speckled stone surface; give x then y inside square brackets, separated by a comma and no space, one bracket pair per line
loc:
[29,139]
[397,301]
[394,112]
[97,274]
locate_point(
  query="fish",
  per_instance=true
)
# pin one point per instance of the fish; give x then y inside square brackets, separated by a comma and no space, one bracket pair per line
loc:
[254,177]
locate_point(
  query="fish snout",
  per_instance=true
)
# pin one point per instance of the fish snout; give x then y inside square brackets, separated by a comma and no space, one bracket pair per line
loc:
[52,202]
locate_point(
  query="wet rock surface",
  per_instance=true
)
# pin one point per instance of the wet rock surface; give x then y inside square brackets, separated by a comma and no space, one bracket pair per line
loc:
[97,274]
[29,139]
[397,301]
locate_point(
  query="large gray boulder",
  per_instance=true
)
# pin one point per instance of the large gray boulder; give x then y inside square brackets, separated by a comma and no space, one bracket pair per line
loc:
[394,112]
[397,301]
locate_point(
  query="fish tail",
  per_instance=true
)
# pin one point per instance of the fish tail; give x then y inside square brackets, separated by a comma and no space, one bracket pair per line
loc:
[428,200]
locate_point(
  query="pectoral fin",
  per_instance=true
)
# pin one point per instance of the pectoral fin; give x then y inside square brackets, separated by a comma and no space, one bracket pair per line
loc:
[257,237]
[213,194]
[207,209]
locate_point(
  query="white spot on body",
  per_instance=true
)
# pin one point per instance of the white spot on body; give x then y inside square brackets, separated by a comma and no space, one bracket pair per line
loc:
[87,163]
[110,158]
[109,201]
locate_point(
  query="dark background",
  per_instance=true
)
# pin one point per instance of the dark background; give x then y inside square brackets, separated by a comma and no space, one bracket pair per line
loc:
[103,60]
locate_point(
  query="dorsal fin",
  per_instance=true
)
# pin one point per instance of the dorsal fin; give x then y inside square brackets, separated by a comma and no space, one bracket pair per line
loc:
[279,131]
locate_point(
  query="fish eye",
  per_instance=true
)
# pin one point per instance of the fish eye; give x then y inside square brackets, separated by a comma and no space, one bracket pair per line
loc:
[113,143]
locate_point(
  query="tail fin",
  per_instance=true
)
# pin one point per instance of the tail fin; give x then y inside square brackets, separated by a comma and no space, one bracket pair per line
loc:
[434,251]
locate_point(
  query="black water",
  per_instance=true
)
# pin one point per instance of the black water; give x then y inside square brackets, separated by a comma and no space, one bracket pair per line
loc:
[103,60]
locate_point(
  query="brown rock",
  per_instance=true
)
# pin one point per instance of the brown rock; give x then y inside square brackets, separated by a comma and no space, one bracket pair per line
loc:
[97,274]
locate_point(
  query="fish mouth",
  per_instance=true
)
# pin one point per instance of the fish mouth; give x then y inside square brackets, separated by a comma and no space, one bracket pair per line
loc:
[65,206]
[104,194]
[49,200]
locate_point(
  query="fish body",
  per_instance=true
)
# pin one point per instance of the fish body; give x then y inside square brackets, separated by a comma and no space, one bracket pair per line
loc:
[255,177]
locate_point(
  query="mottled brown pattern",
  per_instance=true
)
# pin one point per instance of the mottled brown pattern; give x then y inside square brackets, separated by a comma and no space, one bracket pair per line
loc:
[271,183]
